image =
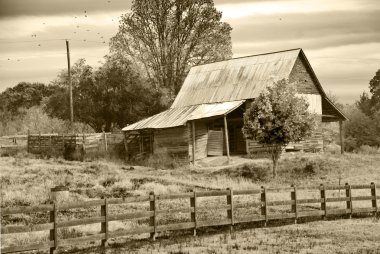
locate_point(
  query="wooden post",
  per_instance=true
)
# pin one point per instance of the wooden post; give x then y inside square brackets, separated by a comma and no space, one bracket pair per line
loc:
[105,141]
[226,135]
[193,205]
[264,207]
[324,201]
[39,142]
[53,232]
[349,202]
[293,196]
[104,225]
[70,85]
[230,210]
[153,222]
[374,199]
[193,138]
[341,137]
[27,142]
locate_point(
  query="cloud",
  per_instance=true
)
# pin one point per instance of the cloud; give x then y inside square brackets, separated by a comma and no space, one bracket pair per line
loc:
[12,8]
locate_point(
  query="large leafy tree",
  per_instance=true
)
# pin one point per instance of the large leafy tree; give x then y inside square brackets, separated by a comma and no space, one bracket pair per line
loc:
[110,97]
[277,117]
[167,37]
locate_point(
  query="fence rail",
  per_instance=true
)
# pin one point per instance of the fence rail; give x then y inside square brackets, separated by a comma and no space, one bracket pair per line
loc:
[230,208]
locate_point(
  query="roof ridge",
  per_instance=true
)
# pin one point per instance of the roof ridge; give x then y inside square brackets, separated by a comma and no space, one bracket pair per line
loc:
[261,54]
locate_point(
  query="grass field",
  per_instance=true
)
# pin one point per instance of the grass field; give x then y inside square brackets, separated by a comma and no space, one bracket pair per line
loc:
[27,181]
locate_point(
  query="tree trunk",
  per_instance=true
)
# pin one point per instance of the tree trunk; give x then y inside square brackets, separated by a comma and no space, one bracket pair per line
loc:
[275,162]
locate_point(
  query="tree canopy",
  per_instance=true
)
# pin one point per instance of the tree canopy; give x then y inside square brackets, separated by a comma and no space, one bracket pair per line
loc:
[370,104]
[112,96]
[167,37]
[277,117]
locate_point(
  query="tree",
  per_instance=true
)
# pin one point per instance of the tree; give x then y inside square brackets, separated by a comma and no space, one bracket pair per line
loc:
[370,104]
[110,97]
[277,117]
[167,37]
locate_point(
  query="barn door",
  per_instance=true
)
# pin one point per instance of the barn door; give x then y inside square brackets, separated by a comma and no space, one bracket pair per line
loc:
[215,143]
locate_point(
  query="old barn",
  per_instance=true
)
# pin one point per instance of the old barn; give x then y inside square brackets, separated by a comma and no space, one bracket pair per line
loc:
[207,115]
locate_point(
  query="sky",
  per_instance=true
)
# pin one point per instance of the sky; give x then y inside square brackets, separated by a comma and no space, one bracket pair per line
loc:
[340,38]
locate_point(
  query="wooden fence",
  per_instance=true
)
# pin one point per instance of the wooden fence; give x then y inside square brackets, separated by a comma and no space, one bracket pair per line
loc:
[263,203]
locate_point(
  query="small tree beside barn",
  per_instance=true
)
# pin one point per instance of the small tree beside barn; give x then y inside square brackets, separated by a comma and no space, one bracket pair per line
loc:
[277,117]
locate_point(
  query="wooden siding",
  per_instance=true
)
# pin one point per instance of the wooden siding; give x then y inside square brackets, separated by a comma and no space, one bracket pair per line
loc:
[201,137]
[215,143]
[302,78]
[172,141]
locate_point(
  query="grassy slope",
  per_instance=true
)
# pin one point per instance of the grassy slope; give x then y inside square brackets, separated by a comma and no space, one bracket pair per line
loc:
[27,181]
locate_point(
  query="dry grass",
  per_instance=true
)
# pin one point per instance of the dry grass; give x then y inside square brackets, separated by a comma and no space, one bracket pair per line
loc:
[27,181]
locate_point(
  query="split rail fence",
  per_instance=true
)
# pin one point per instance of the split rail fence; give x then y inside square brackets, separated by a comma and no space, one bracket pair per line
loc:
[262,202]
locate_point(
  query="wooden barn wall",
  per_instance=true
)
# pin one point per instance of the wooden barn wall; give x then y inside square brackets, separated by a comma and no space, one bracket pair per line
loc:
[201,137]
[301,77]
[172,141]
[311,144]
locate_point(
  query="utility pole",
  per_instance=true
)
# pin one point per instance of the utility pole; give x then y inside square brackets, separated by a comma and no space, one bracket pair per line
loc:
[70,85]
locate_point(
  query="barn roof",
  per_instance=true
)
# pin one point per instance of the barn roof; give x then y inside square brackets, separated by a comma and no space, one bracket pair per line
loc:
[179,116]
[235,79]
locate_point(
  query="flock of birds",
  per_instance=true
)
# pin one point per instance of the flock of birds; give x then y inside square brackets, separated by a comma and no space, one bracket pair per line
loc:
[78,31]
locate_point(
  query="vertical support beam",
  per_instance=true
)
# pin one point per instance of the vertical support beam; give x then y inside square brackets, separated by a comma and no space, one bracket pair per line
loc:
[374,199]
[53,235]
[193,139]
[341,137]
[126,144]
[324,201]
[293,196]
[226,135]
[70,85]
[84,144]
[153,222]
[349,202]
[264,207]
[230,210]
[193,205]
[104,225]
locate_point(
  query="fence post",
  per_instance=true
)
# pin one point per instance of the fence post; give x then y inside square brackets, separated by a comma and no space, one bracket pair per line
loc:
[27,142]
[105,141]
[53,232]
[264,208]
[104,225]
[230,210]
[324,201]
[153,222]
[349,202]
[293,196]
[193,205]
[39,142]
[374,198]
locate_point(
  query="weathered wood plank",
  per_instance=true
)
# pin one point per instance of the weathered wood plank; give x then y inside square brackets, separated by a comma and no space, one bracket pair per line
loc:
[29,247]
[135,231]
[78,222]
[26,209]
[23,229]
[80,240]
[129,216]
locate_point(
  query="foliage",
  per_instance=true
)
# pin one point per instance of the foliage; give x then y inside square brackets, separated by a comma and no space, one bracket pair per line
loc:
[360,129]
[371,104]
[168,37]
[277,117]
[110,97]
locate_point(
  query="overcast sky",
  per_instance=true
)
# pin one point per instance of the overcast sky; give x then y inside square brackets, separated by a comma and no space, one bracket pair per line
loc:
[340,38]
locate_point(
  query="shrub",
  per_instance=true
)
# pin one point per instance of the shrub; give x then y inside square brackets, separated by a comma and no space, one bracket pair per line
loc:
[255,172]
[161,161]
[366,149]
[108,181]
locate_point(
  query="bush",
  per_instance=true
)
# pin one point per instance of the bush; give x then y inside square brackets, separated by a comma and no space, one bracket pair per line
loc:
[161,161]
[255,172]
[366,149]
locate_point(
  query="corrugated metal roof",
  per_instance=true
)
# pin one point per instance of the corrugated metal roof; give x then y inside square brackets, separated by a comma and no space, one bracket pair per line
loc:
[179,116]
[234,79]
